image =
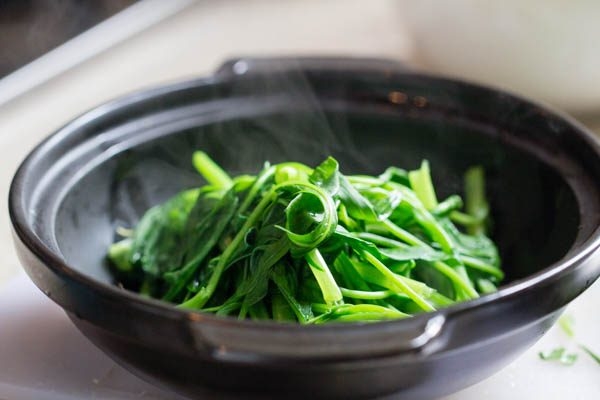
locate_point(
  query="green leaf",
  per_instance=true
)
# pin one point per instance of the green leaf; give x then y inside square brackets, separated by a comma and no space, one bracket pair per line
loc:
[479,246]
[280,308]
[463,287]
[383,202]
[399,251]
[423,272]
[346,220]
[203,230]
[207,290]
[157,238]
[396,175]
[286,284]
[354,242]
[120,254]
[386,278]
[311,217]
[357,205]
[291,171]
[560,355]
[327,176]
[264,257]
[345,267]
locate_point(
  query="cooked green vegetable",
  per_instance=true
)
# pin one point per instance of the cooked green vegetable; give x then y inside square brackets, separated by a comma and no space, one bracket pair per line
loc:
[567,324]
[559,354]
[312,245]
[590,353]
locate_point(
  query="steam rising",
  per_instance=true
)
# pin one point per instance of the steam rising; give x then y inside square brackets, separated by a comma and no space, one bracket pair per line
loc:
[269,115]
[304,129]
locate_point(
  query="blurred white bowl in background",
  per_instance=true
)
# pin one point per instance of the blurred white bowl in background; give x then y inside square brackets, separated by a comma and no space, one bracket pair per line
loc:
[547,50]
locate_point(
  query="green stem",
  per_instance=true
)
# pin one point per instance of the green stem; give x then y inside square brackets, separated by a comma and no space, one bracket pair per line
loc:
[402,234]
[456,279]
[400,284]
[256,186]
[200,298]
[381,240]
[448,206]
[365,295]
[363,180]
[590,353]
[258,311]
[280,308]
[464,219]
[475,202]
[329,288]
[477,264]
[440,266]
[211,171]
[428,222]
[420,181]
[120,254]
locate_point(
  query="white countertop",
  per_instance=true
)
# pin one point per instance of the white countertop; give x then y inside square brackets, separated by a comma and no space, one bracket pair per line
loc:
[187,44]
[51,360]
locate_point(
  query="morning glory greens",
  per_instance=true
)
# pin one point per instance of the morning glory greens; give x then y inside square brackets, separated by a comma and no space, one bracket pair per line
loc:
[312,245]
[567,324]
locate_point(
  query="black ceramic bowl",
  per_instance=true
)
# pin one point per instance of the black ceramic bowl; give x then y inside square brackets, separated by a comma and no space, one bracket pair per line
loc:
[107,167]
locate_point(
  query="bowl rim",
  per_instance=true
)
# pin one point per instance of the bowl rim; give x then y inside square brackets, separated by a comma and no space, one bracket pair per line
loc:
[25,233]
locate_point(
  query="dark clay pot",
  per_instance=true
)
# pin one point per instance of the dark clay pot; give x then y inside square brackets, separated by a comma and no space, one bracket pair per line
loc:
[108,166]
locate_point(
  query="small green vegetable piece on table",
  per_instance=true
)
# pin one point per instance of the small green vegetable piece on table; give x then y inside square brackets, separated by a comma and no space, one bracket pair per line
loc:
[567,324]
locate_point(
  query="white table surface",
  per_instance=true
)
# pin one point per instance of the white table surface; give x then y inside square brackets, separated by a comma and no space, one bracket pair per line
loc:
[52,358]
[44,357]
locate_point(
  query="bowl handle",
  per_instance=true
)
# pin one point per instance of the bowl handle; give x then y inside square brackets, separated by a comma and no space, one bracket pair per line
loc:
[265,65]
[268,343]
